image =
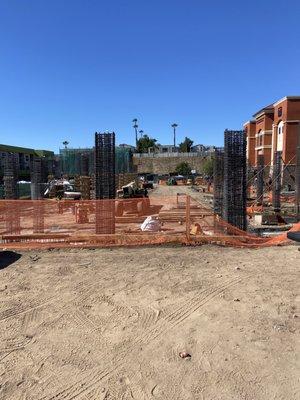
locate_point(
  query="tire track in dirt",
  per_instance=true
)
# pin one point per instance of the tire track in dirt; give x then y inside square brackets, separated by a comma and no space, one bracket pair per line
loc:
[22,309]
[81,386]
[17,343]
[82,320]
[29,318]
[147,317]
[118,309]
[184,311]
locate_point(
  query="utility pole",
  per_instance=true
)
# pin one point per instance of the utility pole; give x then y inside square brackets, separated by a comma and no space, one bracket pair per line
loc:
[174,126]
[135,126]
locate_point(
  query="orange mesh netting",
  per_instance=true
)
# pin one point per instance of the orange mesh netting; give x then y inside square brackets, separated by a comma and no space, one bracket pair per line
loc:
[33,224]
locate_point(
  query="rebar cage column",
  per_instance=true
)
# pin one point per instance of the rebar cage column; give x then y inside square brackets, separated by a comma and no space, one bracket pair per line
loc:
[277,173]
[218,181]
[10,177]
[297,185]
[235,179]
[105,186]
[260,179]
[38,171]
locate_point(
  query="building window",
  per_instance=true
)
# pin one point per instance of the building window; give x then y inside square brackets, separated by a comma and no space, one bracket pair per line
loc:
[279,111]
[280,136]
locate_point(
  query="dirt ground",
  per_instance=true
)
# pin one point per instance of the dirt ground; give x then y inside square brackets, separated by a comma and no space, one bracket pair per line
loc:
[110,324]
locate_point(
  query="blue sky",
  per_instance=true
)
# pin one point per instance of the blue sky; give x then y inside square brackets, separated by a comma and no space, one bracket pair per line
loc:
[71,67]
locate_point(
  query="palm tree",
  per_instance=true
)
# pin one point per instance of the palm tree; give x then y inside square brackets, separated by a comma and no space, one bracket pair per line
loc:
[135,126]
[65,143]
[174,126]
[141,133]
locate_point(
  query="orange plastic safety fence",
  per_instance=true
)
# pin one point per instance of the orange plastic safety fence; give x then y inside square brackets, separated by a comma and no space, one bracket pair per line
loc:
[67,223]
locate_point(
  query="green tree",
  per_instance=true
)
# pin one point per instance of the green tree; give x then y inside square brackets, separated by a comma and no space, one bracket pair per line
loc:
[186,145]
[144,143]
[208,167]
[183,168]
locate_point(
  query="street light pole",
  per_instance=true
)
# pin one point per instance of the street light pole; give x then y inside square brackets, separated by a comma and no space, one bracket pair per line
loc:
[135,126]
[174,126]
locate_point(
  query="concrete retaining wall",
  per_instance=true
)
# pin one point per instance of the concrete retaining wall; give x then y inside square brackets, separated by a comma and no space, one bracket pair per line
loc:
[166,165]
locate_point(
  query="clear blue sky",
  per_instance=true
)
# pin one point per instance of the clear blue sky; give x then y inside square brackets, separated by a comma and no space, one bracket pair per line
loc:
[71,67]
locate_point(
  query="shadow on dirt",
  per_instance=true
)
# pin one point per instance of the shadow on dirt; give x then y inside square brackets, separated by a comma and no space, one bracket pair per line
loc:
[7,258]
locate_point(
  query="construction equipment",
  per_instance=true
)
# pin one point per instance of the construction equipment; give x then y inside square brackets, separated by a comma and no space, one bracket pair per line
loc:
[132,190]
[62,189]
[171,182]
[294,236]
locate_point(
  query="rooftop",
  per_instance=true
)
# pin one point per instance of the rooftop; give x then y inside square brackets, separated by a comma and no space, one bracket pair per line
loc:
[25,150]
[270,108]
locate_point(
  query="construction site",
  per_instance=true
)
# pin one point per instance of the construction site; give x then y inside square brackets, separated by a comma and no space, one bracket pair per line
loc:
[115,287]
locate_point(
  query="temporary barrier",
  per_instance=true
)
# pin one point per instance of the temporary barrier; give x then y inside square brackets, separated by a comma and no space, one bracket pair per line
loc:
[34,224]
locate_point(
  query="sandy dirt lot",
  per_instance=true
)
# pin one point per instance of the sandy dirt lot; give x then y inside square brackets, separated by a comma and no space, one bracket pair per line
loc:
[110,324]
